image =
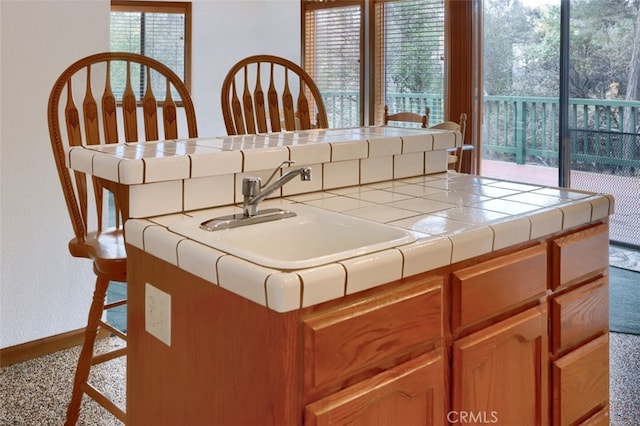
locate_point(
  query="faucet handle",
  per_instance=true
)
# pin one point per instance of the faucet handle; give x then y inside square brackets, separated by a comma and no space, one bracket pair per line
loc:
[251,186]
[277,169]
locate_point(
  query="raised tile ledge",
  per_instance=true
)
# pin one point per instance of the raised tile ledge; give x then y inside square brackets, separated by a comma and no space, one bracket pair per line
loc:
[138,163]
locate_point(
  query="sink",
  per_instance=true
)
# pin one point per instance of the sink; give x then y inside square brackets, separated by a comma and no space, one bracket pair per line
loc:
[311,238]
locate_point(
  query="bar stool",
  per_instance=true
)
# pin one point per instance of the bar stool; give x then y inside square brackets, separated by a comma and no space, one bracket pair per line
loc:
[94,124]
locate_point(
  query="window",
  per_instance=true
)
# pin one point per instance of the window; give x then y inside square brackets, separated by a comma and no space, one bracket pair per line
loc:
[405,64]
[160,30]
[333,57]
[409,56]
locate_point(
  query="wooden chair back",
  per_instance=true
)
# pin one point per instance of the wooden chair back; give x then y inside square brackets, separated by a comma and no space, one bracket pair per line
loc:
[461,126]
[127,110]
[407,117]
[245,110]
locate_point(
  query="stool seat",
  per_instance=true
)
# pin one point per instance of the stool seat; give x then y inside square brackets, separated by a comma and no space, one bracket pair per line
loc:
[106,249]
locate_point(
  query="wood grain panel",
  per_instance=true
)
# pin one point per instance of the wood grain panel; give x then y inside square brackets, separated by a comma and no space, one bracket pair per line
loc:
[351,338]
[500,372]
[579,315]
[581,381]
[231,361]
[408,394]
[494,286]
[580,255]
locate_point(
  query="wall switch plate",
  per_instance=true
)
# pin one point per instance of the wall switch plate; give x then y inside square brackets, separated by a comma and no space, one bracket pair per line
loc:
[157,313]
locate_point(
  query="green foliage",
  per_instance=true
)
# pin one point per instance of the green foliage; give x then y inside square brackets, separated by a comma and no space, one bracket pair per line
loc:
[522,47]
[414,47]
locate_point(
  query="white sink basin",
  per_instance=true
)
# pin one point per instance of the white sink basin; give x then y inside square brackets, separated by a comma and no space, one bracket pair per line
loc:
[313,237]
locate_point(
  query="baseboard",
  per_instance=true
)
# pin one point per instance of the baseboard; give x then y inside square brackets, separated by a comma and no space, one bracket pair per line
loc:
[45,346]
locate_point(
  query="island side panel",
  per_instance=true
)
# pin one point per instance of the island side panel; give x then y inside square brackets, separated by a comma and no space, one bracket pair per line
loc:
[231,361]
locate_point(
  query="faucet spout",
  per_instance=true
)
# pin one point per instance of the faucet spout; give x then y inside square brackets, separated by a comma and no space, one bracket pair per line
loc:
[254,193]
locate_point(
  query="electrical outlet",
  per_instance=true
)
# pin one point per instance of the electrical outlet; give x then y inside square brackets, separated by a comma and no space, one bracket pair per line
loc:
[157,313]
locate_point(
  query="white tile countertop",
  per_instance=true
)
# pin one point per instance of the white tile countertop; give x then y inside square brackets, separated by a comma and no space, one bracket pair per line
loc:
[453,216]
[395,176]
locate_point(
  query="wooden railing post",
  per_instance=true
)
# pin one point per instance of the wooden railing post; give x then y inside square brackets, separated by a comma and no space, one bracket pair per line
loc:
[520,133]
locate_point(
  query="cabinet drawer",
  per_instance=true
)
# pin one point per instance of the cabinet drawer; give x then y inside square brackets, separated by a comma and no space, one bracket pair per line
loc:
[408,394]
[489,288]
[579,315]
[580,255]
[346,340]
[581,382]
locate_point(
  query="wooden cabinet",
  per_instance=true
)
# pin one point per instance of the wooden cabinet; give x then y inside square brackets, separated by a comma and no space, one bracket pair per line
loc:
[518,338]
[579,312]
[411,393]
[581,382]
[579,315]
[342,342]
[530,343]
[579,255]
[601,418]
[499,373]
[356,370]
[498,286]
[499,370]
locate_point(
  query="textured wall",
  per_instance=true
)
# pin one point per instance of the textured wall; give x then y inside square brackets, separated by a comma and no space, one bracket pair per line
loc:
[43,291]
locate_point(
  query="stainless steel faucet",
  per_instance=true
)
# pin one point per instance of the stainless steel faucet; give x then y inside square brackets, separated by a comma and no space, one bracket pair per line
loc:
[254,193]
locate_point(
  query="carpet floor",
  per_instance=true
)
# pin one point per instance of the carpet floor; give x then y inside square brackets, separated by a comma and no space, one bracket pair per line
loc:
[36,392]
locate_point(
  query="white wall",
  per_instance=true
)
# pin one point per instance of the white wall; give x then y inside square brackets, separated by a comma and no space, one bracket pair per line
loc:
[43,290]
[225,31]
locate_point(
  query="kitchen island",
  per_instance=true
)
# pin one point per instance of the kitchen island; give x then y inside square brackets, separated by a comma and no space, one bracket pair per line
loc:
[495,312]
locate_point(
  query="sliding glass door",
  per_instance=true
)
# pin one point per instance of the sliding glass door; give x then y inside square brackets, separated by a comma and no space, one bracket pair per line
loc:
[520,129]
[604,107]
[562,98]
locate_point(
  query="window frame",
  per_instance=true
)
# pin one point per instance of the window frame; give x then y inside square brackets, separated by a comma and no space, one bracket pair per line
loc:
[163,7]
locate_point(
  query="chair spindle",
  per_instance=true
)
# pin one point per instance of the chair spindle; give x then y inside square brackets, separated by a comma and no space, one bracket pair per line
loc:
[129,110]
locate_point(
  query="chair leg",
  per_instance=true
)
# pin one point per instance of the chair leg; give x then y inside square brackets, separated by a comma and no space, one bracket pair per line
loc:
[86,353]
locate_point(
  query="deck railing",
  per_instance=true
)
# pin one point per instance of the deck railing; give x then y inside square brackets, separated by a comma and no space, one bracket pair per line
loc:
[525,130]
[343,107]
[604,133]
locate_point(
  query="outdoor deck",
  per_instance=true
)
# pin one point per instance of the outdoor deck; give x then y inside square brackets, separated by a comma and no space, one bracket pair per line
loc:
[625,223]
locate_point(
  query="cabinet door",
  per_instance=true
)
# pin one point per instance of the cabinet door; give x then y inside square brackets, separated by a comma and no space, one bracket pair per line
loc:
[408,394]
[500,372]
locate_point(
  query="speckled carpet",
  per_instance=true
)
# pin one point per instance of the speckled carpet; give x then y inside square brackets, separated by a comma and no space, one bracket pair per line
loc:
[36,392]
